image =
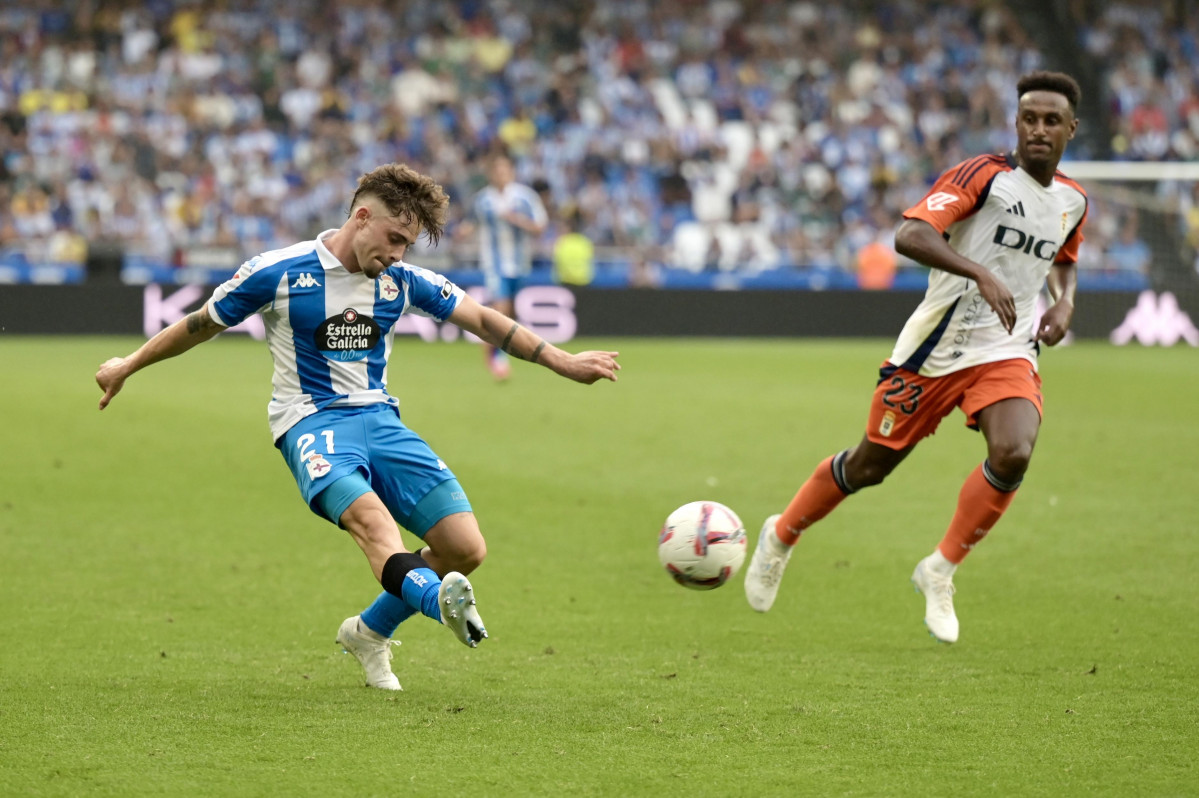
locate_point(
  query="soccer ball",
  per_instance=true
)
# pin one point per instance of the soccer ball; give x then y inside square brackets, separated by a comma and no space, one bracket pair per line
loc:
[702,545]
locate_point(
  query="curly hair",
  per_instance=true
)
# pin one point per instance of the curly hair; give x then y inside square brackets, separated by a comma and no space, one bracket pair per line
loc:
[1058,82]
[407,194]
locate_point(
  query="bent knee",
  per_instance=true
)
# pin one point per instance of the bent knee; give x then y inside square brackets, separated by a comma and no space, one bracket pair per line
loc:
[470,556]
[868,476]
[462,554]
[868,464]
[1009,461]
[475,557]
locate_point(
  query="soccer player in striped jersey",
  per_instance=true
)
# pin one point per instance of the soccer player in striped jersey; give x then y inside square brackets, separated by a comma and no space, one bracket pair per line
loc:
[509,216]
[329,307]
[993,230]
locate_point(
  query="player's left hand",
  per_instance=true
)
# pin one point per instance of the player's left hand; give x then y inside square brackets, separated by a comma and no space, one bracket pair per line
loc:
[591,366]
[1052,327]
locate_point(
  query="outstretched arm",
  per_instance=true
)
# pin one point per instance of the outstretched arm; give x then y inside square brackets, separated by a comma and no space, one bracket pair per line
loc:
[1063,280]
[498,330]
[920,241]
[194,328]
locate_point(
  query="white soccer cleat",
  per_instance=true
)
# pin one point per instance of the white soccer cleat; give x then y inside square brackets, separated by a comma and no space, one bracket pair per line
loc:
[766,567]
[456,599]
[937,588]
[372,651]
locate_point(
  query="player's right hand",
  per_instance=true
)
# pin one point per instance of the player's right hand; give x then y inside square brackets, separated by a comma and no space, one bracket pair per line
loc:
[999,298]
[110,378]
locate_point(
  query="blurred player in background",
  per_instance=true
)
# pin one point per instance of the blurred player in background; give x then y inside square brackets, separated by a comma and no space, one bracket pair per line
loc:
[508,217]
[992,229]
[329,307]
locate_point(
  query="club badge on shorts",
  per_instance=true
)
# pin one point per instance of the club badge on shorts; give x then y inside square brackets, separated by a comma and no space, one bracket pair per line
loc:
[888,424]
[317,466]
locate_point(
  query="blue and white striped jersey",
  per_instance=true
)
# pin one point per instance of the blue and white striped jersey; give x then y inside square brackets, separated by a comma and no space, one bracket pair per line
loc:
[330,331]
[504,248]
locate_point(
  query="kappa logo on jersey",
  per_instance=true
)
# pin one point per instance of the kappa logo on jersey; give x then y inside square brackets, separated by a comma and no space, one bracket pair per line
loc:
[350,336]
[317,466]
[940,200]
[388,288]
[305,280]
[1012,238]
[1156,320]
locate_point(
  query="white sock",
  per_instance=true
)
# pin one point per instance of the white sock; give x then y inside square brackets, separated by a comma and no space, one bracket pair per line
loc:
[369,632]
[938,563]
[778,546]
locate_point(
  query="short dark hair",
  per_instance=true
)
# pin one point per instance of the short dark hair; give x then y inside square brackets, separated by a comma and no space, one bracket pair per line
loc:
[406,192]
[1058,82]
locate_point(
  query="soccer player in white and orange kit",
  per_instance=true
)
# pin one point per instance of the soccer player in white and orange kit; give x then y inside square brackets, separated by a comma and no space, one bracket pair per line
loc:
[993,230]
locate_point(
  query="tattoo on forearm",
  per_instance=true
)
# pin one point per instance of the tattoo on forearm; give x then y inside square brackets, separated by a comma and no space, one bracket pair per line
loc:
[508,338]
[507,346]
[199,321]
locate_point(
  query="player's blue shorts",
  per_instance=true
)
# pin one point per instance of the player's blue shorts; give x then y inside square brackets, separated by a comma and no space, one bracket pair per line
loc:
[500,287]
[396,463]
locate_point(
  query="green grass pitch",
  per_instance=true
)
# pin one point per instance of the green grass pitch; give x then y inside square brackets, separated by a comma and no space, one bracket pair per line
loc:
[169,604]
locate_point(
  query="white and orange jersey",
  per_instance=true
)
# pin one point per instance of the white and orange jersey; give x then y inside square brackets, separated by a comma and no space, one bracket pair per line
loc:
[994,213]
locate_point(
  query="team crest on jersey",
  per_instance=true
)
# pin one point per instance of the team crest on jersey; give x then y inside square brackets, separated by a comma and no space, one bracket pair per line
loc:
[317,466]
[388,288]
[347,337]
[1065,221]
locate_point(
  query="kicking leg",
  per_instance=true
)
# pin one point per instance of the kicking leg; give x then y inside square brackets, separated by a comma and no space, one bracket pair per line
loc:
[835,478]
[455,548]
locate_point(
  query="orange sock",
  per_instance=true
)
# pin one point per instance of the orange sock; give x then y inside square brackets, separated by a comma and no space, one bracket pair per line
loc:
[980,506]
[815,499]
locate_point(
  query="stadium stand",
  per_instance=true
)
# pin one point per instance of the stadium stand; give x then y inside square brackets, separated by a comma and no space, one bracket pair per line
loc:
[706,135]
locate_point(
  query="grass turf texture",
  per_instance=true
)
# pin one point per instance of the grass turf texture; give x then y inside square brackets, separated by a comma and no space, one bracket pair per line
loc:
[170,605]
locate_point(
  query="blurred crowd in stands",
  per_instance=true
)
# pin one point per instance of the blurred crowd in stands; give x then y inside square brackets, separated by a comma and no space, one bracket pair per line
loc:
[734,135]
[1149,50]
